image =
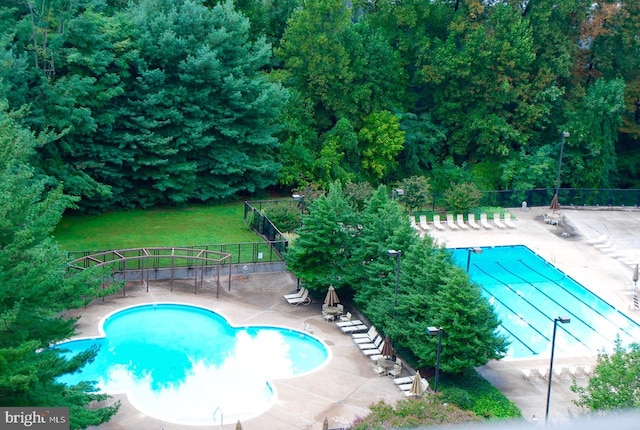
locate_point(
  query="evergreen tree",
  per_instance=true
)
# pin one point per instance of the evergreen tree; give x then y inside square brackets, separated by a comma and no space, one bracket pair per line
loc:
[199,119]
[325,242]
[36,289]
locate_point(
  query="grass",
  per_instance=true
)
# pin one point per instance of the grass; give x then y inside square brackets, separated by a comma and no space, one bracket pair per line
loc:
[191,225]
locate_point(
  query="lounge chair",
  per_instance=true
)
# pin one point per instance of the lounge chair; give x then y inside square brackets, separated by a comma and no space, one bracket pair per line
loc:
[345,321]
[372,352]
[354,328]
[295,295]
[450,223]
[472,222]
[507,220]
[425,387]
[423,222]
[379,369]
[369,336]
[403,380]
[460,222]
[304,299]
[396,369]
[412,221]
[484,222]
[371,345]
[436,222]
[598,240]
[496,221]
[526,374]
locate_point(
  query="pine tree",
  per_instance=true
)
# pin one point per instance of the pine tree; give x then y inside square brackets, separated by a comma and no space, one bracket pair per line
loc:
[36,288]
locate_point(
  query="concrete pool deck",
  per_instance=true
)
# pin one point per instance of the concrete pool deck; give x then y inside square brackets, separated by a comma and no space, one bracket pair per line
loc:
[346,387]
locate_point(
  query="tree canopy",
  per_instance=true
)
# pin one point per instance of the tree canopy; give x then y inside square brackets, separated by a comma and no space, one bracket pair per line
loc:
[348,248]
[167,102]
[36,288]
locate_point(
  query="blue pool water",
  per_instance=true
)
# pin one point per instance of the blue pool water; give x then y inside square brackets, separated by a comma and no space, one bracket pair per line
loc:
[527,293]
[187,365]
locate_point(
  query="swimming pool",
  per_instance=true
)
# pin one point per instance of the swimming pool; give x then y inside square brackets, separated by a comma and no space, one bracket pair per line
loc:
[528,293]
[187,365]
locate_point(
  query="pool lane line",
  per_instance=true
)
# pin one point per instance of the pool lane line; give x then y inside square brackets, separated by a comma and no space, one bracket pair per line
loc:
[516,314]
[556,302]
[534,306]
[615,325]
[513,311]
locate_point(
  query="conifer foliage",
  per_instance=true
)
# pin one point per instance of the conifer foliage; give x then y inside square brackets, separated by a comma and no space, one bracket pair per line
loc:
[36,288]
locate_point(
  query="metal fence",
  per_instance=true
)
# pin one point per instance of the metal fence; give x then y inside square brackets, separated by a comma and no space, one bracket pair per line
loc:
[249,252]
[542,197]
[262,225]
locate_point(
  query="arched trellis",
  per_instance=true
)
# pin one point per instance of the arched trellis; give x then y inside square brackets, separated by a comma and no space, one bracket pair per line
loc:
[153,259]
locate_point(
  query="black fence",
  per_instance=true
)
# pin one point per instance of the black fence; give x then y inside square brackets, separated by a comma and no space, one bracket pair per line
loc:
[262,225]
[542,197]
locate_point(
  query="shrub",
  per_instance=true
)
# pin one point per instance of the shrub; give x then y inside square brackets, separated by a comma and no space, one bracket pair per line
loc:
[408,413]
[461,197]
[458,397]
[284,216]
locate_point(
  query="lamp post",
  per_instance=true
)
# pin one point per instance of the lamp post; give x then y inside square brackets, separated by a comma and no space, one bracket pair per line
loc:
[475,250]
[432,331]
[396,254]
[563,320]
[299,198]
[565,134]
[396,192]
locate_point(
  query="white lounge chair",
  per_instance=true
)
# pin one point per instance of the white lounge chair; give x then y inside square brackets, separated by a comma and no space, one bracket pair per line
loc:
[396,369]
[345,321]
[496,220]
[423,222]
[379,369]
[450,223]
[372,352]
[601,239]
[403,380]
[472,222]
[412,221]
[302,300]
[354,328]
[460,222]
[295,295]
[369,336]
[507,220]
[484,222]
[436,222]
[372,345]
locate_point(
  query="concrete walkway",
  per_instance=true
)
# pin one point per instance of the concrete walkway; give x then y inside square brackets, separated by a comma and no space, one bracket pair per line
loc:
[346,387]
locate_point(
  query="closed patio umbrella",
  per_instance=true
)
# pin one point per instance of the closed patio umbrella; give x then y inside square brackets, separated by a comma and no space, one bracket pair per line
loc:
[554,203]
[332,297]
[325,424]
[416,385]
[635,276]
[238,425]
[387,349]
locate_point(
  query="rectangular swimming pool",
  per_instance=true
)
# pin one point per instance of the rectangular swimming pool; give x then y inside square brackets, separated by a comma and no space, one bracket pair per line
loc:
[528,293]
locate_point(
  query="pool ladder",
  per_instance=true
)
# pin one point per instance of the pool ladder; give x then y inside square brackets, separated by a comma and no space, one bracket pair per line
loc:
[221,415]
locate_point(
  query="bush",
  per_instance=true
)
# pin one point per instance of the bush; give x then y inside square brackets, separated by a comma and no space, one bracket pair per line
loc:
[458,397]
[461,197]
[284,216]
[409,413]
[488,401]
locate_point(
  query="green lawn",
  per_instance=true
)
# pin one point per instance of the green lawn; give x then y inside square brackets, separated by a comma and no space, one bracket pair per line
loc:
[192,225]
